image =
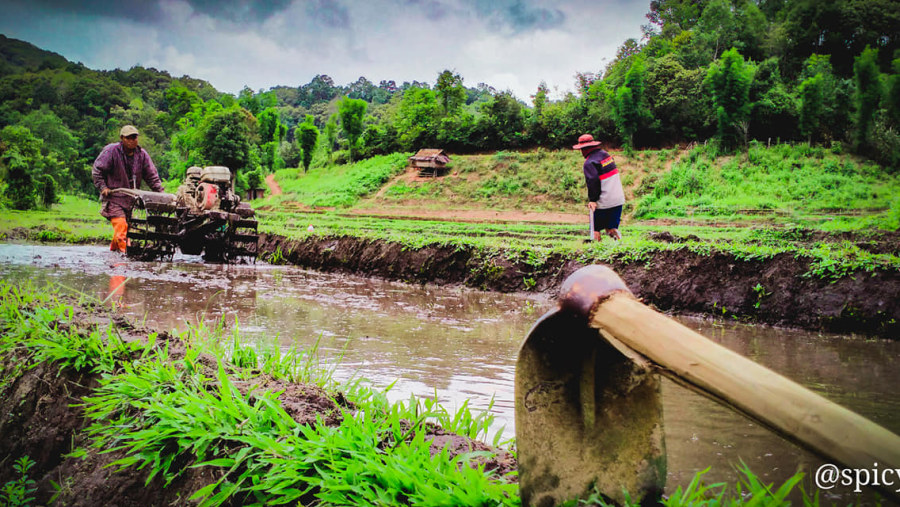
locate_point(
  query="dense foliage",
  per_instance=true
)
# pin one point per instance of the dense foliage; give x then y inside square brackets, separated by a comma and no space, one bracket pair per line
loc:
[734,70]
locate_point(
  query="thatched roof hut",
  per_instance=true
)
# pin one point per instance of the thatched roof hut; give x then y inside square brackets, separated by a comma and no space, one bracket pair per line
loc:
[429,161]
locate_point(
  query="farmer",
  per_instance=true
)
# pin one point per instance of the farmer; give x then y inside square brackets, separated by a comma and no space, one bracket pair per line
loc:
[122,165]
[605,194]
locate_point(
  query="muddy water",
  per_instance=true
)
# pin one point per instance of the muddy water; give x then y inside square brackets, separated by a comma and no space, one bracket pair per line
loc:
[462,344]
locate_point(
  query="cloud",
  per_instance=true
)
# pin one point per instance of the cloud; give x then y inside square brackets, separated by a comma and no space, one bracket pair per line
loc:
[517,15]
[143,11]
[135,10]
[512,44]
[328,12]
[432,9]
[240,10]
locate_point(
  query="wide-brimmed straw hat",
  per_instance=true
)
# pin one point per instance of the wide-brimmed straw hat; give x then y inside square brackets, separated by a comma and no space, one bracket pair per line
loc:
[584,141]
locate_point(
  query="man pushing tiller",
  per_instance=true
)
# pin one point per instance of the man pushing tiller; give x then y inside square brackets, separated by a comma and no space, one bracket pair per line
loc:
[122,165]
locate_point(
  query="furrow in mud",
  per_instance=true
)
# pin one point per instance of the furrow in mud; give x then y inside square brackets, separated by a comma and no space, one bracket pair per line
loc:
[776,291]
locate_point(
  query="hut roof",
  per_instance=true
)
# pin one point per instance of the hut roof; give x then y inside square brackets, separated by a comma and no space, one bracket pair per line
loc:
[431,154]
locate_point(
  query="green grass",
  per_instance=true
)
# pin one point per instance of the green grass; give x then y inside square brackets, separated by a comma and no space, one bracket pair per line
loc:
[749,490]
[808,185]
[339,185]
[75,220]
[537,180]
[536,243]
[158,409]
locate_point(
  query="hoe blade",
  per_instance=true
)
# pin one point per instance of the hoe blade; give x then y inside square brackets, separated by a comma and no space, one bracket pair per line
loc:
[587,416]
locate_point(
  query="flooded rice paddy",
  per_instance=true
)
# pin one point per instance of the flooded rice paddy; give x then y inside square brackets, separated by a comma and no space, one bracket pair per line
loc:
[457,344]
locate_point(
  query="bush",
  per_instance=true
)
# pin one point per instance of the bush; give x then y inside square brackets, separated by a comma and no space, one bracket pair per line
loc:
[48,190]
[885,143]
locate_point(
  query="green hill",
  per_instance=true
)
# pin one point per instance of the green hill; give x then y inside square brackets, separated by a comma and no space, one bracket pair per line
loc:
[18,56]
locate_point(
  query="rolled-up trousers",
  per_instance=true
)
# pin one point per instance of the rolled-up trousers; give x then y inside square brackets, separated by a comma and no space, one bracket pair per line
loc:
[120,234]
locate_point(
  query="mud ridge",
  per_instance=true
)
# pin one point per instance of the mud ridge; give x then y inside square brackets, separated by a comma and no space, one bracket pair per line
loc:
[774,291]
[41,417]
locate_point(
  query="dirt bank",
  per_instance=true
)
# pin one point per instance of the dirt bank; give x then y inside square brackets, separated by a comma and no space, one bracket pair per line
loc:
[774,291]
[41,417]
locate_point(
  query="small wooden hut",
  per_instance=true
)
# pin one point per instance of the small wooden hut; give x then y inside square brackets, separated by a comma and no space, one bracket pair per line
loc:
[256,193]
[429,161]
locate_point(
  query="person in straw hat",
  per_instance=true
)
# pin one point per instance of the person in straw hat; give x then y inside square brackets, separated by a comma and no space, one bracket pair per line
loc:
[605,194]
[122,165]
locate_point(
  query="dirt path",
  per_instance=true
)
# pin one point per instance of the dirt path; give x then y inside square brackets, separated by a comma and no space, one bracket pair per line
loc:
[274,189]
[476,215]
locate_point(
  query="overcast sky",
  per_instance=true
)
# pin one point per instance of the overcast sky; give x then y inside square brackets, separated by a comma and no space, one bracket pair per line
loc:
[507,44]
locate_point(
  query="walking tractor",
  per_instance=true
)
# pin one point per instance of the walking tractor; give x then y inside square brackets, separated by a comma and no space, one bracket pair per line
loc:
[204,216]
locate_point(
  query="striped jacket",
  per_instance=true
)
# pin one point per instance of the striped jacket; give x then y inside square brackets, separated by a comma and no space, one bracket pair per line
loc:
[602,178]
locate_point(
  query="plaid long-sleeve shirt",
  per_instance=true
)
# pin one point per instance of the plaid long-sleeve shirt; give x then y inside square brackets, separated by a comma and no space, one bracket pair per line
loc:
[111,170]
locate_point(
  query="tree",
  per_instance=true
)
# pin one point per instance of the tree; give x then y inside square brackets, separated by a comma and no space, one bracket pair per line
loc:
[584,80]
[249,101]
[536,128]
[309,134]
[868,93]
[840,28]
[837,98]
[675,15]
[417,117]
[893,95]
[717,30]
[180,101]
[752,29]
[539,99]
[729,80]
[811,105]
[677,99]
[271,132]
[331,134]
[269,125]
[320,89]
[885,138]
[502,123]
[225,138]
[362,89]
[59,145]
[451,93]
[352,112]
[254,179]
[20,156]
[632,111]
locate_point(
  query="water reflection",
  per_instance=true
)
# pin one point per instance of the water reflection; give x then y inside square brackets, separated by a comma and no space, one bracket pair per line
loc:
[462,344]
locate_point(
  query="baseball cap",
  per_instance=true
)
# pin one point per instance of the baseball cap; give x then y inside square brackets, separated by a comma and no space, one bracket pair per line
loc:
[128,130]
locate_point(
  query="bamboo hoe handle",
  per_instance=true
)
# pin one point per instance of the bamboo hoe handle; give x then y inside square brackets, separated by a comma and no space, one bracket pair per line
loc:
[789,409]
